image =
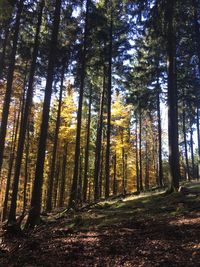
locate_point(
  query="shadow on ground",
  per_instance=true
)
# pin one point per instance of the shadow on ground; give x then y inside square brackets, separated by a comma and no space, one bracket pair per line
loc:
[152,230]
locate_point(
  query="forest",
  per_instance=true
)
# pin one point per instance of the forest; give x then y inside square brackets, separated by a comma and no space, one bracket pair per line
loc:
[99,132]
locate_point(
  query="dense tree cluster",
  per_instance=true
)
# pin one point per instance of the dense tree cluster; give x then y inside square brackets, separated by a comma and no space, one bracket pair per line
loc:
[84,87]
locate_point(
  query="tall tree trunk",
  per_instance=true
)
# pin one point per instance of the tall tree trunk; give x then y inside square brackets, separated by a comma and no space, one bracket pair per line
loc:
[136,156]
[140,151]
[74,187]
[114,174]
[123,165]
[146,182]
[99,144]
[198,143]
[126,171]
[197,35]
[20,115]
[56,183]
[26,172]
[187,169]
[7,98]
[2,58]
[53,162]
[80,179]
[63,177]
[109,93]
[174,174]
[101,171]
[12,158]
[192,149]
[160,163]
[85,181]
[11,161]
[24,121]
[34,213]
[90,189]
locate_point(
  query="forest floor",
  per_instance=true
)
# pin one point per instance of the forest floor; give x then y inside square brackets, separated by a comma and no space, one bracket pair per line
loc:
[153,229]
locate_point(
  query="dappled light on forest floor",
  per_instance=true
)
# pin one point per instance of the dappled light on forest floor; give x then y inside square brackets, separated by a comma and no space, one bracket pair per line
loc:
[117,233]
[192,219]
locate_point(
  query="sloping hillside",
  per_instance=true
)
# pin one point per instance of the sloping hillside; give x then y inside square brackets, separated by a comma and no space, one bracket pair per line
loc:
[153,229]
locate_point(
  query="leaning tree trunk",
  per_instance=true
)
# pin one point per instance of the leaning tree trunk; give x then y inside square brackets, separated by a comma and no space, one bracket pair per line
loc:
[74,187]
[174,173]
[34,213]
[7,98]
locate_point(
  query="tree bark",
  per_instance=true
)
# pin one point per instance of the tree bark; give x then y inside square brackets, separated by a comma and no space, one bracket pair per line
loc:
[24,121]
[63,177]
[74,187]
[26,172]
[174,173]
[2,58]
[160,163]
[7,99]
[115,174]
[136,156]
[198,143]
[188,177]
[53,162]
[140,151]
[123,165]
[101,171]
[146,180]
[56,188]
[192,149]
[109,93]
[85,181]
[34,213]
[80,179]
[197,37]
[11,161]
[99,144]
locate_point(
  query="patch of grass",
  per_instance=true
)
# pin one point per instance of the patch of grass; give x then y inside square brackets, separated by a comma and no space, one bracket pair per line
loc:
[146,205]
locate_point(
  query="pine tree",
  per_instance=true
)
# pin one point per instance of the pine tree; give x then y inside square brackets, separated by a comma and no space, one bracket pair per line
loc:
[9,85]
[34,213]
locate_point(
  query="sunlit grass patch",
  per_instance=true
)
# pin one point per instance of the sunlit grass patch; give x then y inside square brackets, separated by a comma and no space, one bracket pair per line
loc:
[146,205]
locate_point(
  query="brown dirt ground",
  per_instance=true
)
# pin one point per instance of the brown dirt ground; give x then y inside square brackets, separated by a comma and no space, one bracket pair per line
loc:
[164,242]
